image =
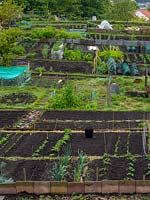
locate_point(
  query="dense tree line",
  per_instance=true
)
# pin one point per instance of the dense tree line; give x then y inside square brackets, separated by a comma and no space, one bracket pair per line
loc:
[118,9]
[122,10]
[68,8]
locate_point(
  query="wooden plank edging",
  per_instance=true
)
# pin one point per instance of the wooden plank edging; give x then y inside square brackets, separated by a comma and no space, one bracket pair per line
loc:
[89,187]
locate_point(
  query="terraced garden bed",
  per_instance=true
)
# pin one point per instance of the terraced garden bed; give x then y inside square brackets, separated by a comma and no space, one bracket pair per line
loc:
[101,143]
[40,170]
[53,144]
[9,118]
[19,152]
[15,98]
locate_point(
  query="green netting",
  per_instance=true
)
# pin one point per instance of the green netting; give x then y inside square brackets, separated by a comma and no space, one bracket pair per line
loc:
[81,31]
[14,76]
[147,48]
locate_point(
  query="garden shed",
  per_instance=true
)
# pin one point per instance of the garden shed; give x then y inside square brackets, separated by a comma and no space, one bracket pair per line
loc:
[14,75]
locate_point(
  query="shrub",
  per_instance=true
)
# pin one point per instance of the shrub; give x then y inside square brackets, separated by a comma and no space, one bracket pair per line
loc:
[62,34]
[45,51]
[31,55]
[40,69]
[74,55]
[75,35]
[88,57]
[66,100]
[116,54]
[18,50]
[48,32]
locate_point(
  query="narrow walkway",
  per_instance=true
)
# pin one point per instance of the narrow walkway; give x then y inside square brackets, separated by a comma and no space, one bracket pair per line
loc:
[44,158]
[100,131]
[29,120]
[41,103]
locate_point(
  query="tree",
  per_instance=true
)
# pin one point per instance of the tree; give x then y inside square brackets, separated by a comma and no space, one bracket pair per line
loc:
[123,10]
[40,6]
[8,12]
[8,44]
[94,7]
[66,8]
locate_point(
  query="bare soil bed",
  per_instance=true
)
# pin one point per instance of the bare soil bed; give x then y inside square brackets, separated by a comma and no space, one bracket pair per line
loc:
[16,98]
[95,115]
[19,148]
[9,118]
[43,170]
[25,144]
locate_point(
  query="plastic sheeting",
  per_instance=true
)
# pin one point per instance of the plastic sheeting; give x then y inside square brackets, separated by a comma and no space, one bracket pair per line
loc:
[105,25]
[9,73]
[15,75]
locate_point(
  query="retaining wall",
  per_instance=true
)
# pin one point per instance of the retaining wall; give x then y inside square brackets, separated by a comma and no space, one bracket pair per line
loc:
[95,115]
[101,187]
[58,66]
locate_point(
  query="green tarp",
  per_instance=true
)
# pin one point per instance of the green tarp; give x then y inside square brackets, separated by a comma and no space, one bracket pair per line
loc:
[9,73]
[15,75]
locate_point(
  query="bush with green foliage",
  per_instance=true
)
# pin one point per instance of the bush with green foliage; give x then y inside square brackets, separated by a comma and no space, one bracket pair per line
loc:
[40,69]
[9,11]
[18,50]
[62,33]
[48,32]
[51,32]
[77,55]
[45,51]
[67,99]
[31,55]
[116,54]
[8,43]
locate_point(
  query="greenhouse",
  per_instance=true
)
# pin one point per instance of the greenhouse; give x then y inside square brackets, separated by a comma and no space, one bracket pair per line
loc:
[14,75]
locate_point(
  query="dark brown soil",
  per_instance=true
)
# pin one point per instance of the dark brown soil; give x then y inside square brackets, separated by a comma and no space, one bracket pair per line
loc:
[16,98]
[112,143]
[9,118]
[94,115]
[115,144]
[42,170]
[75,196]
[28,143]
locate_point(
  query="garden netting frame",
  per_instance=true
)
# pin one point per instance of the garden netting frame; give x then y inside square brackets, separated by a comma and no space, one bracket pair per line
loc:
[14,75]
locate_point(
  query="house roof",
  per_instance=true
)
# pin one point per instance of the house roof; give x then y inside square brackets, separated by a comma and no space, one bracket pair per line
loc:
[145,12]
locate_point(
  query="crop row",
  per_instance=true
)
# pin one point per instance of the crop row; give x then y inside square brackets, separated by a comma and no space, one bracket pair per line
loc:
[107,167]
[52,144]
